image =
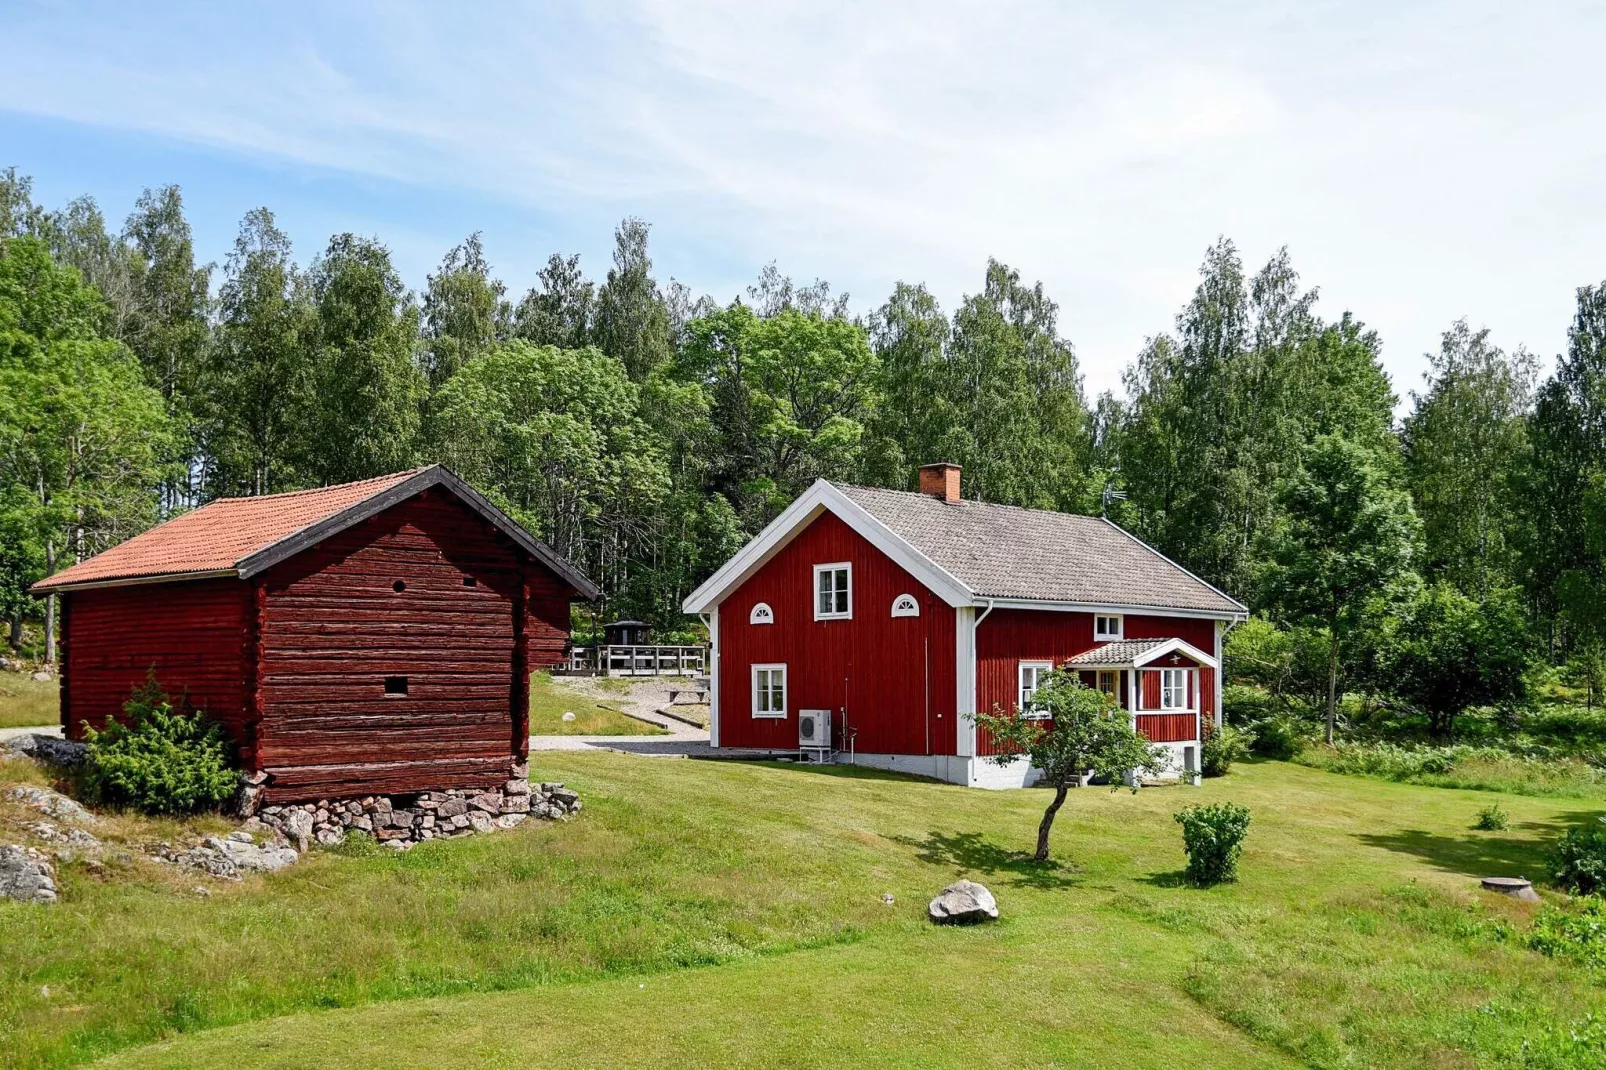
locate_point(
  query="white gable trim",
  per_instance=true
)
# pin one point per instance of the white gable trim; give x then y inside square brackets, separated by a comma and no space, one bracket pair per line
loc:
[819,498]
[1118,609]
[1179,647]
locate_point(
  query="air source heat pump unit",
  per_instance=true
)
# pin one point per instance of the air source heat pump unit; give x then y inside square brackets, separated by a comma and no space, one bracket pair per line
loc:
[814,729]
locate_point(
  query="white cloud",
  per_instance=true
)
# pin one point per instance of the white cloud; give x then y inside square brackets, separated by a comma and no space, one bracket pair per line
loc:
[1422,162]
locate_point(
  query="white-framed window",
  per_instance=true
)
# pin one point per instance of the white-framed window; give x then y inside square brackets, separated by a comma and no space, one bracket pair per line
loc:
[1031,677]
[833,591]
[1173,689]
[769,690]
[761,614]
[1106,627]
[1110,683]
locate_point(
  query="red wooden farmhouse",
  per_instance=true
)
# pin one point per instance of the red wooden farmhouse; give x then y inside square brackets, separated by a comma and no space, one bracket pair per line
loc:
[374,637]
[880,618]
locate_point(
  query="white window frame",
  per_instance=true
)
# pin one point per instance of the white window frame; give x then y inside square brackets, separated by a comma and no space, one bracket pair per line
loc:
[769,713]
[1037,668]
[766,617]
[1105,636]
[1174,683]
[833,567]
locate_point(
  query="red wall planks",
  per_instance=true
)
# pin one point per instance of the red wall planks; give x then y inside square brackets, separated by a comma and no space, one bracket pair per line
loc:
[189,633]
[1167,727]
[894,677]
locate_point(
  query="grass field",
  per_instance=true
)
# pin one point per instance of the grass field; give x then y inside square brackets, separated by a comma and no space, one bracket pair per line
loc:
[714,913]
[549,701]
[25,702]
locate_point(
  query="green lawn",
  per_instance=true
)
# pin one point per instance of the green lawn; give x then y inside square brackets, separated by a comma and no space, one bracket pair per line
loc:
[716,913]
[25,702]
[549,701]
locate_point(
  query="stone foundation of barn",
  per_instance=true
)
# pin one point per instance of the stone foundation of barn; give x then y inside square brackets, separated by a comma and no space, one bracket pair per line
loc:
[403,820]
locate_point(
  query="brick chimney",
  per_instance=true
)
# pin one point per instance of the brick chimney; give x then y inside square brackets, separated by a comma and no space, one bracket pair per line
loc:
[940,481]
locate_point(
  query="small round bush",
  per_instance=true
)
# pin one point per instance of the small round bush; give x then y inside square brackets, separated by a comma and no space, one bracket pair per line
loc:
[1578,860]
[166,758]
[1213,836]
[1221,748]
[1492,819]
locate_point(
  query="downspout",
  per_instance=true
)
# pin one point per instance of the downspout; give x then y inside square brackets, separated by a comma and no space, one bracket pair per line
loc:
[983,617]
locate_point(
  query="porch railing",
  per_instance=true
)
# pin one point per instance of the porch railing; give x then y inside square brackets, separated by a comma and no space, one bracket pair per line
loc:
[638,660]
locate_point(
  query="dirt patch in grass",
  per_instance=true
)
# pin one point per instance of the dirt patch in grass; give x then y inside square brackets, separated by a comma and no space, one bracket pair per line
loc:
[551,699]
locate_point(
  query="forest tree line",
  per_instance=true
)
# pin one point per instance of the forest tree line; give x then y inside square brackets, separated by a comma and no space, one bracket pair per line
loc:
[646,432]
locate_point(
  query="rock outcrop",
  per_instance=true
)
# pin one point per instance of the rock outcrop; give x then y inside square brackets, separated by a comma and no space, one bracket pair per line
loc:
[26,875]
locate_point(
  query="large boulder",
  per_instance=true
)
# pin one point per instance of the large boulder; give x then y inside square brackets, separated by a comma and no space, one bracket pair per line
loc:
[963,903]
[25,875]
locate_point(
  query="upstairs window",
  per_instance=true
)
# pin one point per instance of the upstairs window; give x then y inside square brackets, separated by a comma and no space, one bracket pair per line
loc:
[769,690]
[1106,628]
[833,591]
[1031,678]
[1173,689]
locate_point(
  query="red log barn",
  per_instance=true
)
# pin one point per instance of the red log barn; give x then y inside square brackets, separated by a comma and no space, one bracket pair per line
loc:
[370,638]
[884,617]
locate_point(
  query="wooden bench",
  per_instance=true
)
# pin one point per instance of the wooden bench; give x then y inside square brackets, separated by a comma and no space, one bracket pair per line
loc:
[698,688]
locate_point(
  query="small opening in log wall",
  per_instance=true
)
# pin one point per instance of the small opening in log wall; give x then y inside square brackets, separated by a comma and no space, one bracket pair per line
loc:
[395,685]
[399,586]
[470,581]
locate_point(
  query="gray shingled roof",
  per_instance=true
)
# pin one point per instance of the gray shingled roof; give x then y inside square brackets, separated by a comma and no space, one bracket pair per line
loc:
[1001,551]
[1119,652]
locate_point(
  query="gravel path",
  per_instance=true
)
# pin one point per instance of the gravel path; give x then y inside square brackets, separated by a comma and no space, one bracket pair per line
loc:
[644,699]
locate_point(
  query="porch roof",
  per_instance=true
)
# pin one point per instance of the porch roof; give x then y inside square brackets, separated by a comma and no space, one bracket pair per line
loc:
[1136,653]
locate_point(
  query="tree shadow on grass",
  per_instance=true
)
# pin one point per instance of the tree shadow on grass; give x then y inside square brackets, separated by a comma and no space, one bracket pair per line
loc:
[969,852]
[1482,854]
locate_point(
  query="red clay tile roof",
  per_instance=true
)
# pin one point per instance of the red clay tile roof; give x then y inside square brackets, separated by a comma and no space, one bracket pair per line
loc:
[219,535]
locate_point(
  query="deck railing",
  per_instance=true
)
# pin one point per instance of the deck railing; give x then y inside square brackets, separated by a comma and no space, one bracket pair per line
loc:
[638,660]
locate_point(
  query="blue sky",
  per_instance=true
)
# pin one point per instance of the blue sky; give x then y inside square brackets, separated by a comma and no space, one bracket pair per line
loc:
[1422,161]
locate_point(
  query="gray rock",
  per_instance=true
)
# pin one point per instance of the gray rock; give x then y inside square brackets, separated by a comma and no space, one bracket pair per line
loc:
[52,804]
[452,808]
[489,802]
[511,821]
[50,750]
[516,804]
[963,902]
[26,875]
[53,833]
[249,857]
[480,821]
[299,828]
[241,836]
[516,787]
[330,837]
[565,796]
[460,821]
[42,677]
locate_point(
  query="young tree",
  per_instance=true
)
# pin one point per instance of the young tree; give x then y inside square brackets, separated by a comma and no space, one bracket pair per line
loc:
[1450,653]
[632,322]
[1347,538]
[1083,732]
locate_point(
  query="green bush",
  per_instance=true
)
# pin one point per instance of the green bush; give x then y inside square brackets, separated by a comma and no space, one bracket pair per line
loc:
[1281,737]
[1578,861]
[1491,819]
[1221,748]
[1213,836]
[1577,932]
[167,758]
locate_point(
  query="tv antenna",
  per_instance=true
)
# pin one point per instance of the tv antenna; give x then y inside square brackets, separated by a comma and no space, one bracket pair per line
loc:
[1110,495]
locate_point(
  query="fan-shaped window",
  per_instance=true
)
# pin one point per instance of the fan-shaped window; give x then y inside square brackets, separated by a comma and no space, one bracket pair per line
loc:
[906,605]
[761,614]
